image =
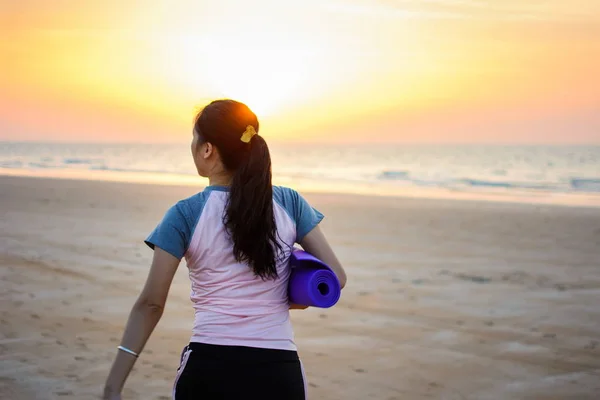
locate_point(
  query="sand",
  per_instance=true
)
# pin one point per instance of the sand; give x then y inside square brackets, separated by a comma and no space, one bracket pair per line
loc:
[446,299]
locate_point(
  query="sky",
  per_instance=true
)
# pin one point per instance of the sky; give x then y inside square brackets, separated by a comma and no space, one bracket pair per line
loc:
[407,71]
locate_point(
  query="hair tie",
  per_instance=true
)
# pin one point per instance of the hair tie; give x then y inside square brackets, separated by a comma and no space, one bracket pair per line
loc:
[248,134]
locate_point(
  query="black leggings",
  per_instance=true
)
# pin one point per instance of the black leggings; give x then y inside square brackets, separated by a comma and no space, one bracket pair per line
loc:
[215,372]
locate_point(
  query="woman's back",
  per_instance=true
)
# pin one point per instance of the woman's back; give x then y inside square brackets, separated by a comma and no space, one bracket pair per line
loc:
[234,306]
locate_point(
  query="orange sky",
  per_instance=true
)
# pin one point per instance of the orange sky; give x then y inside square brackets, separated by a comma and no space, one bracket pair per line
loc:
[432,71]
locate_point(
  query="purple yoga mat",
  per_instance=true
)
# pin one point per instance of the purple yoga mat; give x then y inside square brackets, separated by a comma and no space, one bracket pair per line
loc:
[312,282]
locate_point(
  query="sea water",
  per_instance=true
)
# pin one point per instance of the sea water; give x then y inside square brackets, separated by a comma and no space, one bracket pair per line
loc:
[363,168]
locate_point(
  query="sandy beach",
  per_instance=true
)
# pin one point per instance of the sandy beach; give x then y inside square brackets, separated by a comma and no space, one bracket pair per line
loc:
[446,299]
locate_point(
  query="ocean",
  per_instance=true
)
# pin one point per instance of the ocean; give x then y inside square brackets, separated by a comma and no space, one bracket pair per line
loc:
[357,168]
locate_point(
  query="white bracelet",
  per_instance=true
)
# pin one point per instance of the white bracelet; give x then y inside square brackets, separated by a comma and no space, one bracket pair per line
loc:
[126,350]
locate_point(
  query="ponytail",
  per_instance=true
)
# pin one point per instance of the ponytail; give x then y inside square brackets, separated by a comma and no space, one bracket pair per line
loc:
[249,217]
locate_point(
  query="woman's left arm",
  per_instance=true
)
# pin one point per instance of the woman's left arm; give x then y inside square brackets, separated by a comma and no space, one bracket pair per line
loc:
[144,316]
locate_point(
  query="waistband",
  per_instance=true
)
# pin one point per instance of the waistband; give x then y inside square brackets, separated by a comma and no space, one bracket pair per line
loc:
[240,353]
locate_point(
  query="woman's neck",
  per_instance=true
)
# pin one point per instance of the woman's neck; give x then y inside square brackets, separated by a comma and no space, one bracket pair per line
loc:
[219,180]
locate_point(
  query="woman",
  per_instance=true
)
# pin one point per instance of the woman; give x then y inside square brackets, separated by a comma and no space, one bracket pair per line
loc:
[237,236]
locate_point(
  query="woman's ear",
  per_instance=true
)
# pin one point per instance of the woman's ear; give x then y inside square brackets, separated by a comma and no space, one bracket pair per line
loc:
[208,150]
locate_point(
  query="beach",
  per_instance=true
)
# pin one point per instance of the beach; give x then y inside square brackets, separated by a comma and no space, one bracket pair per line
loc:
[446,299]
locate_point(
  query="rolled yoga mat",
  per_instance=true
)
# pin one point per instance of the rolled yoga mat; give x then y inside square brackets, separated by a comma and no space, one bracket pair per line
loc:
[312,282]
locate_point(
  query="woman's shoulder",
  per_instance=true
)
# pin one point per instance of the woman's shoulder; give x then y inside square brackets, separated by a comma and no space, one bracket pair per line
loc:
[285,195]
[192,205]
[283,189]
[289,199]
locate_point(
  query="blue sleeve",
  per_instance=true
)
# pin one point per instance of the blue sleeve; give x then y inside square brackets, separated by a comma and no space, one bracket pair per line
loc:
[173,233]
[307,218]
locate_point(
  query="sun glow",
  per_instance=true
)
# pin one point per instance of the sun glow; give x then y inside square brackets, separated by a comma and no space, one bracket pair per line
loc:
[267,73]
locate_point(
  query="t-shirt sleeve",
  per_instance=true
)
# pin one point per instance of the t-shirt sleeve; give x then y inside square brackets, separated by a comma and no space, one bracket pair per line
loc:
[172,234]
[307,217]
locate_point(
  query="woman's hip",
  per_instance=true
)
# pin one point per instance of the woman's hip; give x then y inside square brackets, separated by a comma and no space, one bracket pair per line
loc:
[210,371]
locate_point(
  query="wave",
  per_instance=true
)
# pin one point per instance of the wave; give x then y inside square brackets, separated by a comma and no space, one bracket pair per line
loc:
[41,165]
[81,164]
[585,184]
[475,183]
[395,175]
[85,161]
[489,184]
[515,185]
[11,164]
[136,170]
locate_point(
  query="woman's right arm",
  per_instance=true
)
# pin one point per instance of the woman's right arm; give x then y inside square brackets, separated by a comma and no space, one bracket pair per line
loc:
[316,244]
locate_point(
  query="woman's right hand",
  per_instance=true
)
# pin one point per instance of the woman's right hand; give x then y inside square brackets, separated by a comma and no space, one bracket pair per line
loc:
[294,306]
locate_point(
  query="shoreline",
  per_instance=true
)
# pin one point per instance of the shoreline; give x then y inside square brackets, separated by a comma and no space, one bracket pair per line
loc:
[583,200]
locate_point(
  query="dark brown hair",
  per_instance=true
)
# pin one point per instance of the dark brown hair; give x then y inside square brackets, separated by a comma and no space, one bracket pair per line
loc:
[249,217]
